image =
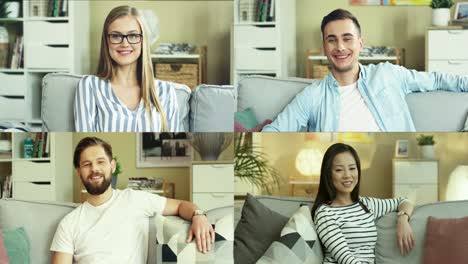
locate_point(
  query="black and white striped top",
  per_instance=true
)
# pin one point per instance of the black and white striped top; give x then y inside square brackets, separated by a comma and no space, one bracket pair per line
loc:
[348,233]
[98,109]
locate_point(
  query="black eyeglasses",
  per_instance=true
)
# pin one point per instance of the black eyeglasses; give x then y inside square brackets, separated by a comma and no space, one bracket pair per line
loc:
[133,38]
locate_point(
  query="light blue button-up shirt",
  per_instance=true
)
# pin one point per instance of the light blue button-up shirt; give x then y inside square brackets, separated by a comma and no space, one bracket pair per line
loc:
[383,87]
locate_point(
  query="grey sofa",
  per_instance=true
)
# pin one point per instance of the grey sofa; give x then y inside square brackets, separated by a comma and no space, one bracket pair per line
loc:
[40,220]
[209,108]
[431,112]
[386,249]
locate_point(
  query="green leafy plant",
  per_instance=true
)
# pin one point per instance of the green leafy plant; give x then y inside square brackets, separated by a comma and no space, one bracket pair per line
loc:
[441,3]
[3,10]
[425,140]
[118,167]
[252,165]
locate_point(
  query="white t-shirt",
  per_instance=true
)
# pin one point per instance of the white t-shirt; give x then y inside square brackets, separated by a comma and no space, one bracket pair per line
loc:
[114,232]
[355,116]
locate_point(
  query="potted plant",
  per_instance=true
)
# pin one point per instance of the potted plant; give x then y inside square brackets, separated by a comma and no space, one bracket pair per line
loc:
[252,166]
[118,170]
[441,12]
[427,146]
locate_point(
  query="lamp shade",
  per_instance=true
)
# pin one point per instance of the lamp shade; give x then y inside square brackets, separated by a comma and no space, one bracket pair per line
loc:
[457,187]
[309,161]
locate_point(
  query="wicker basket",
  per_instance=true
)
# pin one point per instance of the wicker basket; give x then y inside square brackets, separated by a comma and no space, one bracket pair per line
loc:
[179,73]
[319,71]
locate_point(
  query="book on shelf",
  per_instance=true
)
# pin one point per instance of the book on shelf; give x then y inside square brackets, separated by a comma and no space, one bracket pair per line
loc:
[264,10]
[16,61]
[41,145]
[7,185]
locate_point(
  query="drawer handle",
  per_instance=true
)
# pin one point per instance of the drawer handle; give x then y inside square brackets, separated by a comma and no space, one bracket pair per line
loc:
[41,183]
[265,26]
[12,96]
[455,62]
[218,195]
[265,48]
[58,45]
[13,73]
[40,161]
[455,32]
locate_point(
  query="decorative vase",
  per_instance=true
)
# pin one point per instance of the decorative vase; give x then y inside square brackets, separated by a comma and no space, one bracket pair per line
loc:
[211,145]
[440,17]
[427,152]
[13,8]
[3,47]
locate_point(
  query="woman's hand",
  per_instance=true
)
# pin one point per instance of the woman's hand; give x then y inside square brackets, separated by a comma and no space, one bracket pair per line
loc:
[405,239]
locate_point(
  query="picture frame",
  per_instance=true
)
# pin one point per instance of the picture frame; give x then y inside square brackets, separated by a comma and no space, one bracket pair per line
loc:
[163,150]
[461,12]
[401,148]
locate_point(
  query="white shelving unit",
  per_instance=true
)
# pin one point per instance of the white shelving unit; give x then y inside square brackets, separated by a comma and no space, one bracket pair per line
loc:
[265,48]
[446,50]
[46,179]
[51,44]
[212,184]
[416,179]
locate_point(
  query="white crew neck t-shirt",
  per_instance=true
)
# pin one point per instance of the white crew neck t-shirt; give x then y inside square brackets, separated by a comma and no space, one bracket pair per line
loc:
[114,232]
[355,116]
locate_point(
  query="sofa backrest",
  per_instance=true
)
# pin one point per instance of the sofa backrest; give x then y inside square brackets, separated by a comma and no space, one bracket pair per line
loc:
[433,111]
[58,94]
[386,250]
[39,219]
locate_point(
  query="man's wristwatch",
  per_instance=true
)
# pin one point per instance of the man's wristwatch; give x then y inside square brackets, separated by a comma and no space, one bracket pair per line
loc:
[198,212]
[403,213]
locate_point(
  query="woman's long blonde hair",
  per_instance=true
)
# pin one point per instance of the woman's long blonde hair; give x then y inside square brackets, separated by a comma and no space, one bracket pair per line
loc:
[145,77]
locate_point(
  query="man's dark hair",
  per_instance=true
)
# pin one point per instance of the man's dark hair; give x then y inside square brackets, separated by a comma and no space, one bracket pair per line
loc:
[89,142]
[339,14]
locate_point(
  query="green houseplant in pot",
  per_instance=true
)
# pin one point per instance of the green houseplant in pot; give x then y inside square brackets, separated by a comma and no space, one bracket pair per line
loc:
[426,144]
[441,12]
[252,166]
[118,170]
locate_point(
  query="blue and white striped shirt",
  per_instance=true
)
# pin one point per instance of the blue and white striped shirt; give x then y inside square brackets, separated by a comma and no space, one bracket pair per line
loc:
[98,109]
[348,233]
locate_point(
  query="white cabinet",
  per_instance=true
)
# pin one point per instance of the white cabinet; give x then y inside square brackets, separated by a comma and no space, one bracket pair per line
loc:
[266,48]
[50,44]
[416,180]
[212,185]
[446,50]
[49,178]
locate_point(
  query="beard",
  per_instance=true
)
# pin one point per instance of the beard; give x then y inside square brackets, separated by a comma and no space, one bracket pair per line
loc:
[97,188]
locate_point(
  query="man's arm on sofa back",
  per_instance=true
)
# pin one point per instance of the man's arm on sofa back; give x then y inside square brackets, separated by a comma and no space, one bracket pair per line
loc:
[61,258]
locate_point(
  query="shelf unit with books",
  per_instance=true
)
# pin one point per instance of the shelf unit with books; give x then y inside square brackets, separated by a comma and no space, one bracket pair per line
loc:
[48,177]
[263,44]
[50,44]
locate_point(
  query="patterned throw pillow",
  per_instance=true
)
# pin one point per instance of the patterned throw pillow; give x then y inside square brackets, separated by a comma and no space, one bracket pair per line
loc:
[298,243]
[171,235]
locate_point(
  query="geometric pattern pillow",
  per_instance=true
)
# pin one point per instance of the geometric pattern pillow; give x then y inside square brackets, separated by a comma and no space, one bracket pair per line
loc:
[298,242]
[171,235]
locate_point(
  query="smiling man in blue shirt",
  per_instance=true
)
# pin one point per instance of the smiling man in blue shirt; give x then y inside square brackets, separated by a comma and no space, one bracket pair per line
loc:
[354,97]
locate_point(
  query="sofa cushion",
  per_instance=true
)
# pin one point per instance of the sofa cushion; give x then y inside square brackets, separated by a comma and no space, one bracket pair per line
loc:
[298,242]
[386,250]
[183,101]
[286,206]
[446,240]
[275,93]
[246,118]
[40,230]
[465,128]
[3,252]
[172,235]
[447,112]
[17,245]
[212,109]
[252,235]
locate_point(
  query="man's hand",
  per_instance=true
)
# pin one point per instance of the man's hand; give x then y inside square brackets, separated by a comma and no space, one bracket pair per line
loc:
[405,239]
[203,233]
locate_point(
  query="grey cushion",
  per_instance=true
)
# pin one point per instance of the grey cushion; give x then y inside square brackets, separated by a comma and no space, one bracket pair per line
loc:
[253,236]
[438,111]
[212,109]
[268,96]
[433,111]
[58,96]
[40,220]
[386,250]
[286,206]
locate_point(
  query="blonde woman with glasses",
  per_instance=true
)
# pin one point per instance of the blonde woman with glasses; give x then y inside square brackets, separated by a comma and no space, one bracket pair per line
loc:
[125,96]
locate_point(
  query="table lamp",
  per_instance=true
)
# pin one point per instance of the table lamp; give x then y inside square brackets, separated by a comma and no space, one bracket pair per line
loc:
[457,187]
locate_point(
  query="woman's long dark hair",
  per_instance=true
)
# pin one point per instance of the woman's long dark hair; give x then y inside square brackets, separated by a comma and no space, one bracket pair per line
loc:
[326,191]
